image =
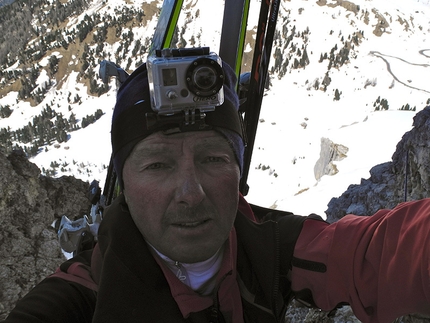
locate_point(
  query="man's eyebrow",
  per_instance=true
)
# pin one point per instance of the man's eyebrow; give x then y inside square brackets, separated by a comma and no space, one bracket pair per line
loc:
[149,151]
[219,143]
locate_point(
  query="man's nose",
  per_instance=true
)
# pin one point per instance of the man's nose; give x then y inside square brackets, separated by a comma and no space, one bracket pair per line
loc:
[189,188]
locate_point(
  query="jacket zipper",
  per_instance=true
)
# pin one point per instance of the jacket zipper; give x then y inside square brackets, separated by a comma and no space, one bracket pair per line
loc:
[216,315]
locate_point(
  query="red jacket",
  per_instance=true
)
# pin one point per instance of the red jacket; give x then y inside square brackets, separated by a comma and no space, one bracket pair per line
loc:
[380,264]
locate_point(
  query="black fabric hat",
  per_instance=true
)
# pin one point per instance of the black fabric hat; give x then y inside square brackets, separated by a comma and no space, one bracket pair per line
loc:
[133,118]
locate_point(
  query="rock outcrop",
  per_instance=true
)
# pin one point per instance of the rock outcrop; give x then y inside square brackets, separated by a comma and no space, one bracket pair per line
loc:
[29,204]
[330,152]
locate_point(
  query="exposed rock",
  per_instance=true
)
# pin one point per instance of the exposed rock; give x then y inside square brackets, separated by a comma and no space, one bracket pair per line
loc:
[329,153]
[406,177]
[382,24]
[346,4]
[29,203]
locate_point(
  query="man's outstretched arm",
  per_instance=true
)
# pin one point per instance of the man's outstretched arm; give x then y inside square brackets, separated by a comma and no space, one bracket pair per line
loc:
[380,264]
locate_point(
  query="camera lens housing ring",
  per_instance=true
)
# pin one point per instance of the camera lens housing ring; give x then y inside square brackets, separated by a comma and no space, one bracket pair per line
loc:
[204,77]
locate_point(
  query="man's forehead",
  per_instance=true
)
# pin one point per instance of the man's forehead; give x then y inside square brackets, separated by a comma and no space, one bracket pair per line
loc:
[159,140]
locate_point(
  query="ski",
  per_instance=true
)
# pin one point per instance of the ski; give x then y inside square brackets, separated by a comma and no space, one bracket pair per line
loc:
[162,38]
[252,106]
[166,25]
[233,33]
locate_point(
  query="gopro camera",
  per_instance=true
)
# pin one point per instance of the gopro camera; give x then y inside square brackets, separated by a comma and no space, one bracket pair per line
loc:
[184,80]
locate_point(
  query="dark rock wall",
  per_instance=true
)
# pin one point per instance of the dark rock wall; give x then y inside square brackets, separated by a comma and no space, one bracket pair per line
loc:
[29,204]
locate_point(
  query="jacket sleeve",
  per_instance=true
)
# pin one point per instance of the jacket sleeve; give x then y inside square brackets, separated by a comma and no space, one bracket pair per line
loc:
[378,264]
[55,300]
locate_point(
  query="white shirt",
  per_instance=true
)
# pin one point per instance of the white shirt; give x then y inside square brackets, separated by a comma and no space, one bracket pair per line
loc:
[200,276]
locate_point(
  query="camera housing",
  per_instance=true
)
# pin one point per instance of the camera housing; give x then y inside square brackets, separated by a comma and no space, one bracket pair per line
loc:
[184,80]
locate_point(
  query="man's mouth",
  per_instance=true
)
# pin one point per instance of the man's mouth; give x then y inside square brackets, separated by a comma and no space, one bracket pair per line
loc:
[190,224]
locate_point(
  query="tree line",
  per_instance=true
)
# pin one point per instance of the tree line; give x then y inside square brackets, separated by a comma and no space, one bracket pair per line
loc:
[45,128]
[16,27]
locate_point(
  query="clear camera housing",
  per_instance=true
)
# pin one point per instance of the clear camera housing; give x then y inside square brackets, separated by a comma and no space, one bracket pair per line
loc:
[184,80]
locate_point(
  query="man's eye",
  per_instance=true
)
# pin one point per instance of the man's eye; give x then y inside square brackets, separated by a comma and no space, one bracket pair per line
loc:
[155,166]
[215,159]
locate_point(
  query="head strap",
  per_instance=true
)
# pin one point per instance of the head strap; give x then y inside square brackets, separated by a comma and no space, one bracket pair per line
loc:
[138,122]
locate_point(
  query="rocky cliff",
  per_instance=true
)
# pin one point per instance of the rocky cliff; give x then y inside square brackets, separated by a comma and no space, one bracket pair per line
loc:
[29,204]
[405,178]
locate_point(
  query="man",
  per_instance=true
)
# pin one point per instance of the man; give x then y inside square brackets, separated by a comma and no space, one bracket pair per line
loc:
[182,245]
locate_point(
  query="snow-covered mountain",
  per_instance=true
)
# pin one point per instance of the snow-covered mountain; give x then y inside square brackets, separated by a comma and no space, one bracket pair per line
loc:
[354,73]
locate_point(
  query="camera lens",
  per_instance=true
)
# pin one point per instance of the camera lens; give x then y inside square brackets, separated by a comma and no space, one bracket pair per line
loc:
[205,77]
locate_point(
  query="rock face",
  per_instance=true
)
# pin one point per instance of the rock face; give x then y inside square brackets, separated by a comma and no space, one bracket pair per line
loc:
[329,153]
[29,204]
[406,177]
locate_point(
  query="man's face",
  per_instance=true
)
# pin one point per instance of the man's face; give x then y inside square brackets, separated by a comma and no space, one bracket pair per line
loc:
[182,191]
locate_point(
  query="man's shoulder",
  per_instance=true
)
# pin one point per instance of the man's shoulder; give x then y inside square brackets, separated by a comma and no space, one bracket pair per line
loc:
[80,269]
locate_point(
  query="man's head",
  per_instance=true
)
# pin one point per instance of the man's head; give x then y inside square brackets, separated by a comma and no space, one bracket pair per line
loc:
[133,118]
[181,184]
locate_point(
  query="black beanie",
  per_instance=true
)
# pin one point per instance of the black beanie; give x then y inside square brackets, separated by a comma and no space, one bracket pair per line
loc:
[133,118]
